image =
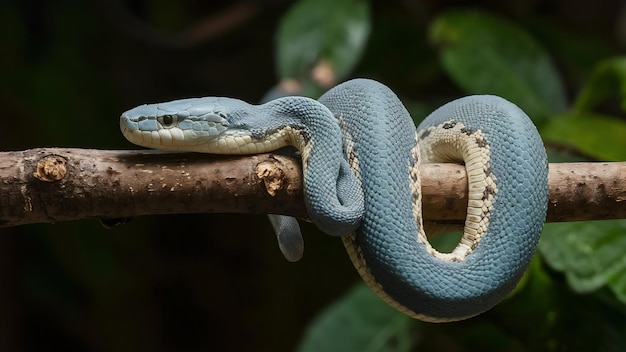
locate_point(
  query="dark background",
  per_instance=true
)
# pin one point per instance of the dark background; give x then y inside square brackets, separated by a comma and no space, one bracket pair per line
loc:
[188,282]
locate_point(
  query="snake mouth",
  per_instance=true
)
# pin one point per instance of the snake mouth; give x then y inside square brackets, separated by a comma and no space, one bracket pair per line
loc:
[188,140]
[169,139]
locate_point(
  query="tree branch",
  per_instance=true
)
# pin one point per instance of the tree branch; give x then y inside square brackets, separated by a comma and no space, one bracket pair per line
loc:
[60,184]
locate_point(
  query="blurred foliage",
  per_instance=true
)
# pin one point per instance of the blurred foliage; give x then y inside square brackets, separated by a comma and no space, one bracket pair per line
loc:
[190,283]
[322,33]
[484,54]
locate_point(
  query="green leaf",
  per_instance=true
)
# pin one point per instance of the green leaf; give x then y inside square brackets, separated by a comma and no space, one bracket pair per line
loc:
[545,314]
[332,33]
[591,254]
[599,136]
[607,80]
[485,54]
[360,321]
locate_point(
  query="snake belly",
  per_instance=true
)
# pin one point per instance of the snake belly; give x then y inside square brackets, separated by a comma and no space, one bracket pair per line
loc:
[376,208]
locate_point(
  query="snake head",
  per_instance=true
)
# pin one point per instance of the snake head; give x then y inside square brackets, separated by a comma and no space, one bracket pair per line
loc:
[216,125]
[195,124]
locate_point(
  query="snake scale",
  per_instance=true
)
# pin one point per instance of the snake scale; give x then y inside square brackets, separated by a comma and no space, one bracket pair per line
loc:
[360,153]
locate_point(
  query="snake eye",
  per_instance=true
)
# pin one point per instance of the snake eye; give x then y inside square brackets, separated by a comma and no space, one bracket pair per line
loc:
[167,121]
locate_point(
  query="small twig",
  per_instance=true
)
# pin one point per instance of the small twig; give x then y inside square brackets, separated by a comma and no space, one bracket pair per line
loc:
[61,184]
[207,29]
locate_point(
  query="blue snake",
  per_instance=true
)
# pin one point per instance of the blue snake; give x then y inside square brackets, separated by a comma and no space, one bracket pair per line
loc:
[361,153]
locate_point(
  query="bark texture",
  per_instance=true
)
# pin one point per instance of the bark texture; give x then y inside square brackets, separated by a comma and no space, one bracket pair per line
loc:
[60,184]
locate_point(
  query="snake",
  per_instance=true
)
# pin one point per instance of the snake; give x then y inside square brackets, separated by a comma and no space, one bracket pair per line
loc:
[361,154]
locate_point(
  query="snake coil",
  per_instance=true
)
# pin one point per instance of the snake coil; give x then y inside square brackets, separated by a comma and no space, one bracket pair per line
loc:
[361,155]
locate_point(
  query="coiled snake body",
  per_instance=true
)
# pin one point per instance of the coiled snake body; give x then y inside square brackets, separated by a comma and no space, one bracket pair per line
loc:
[360,154]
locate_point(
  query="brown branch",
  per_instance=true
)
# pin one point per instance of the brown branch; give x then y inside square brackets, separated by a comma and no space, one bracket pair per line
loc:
[60,184]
